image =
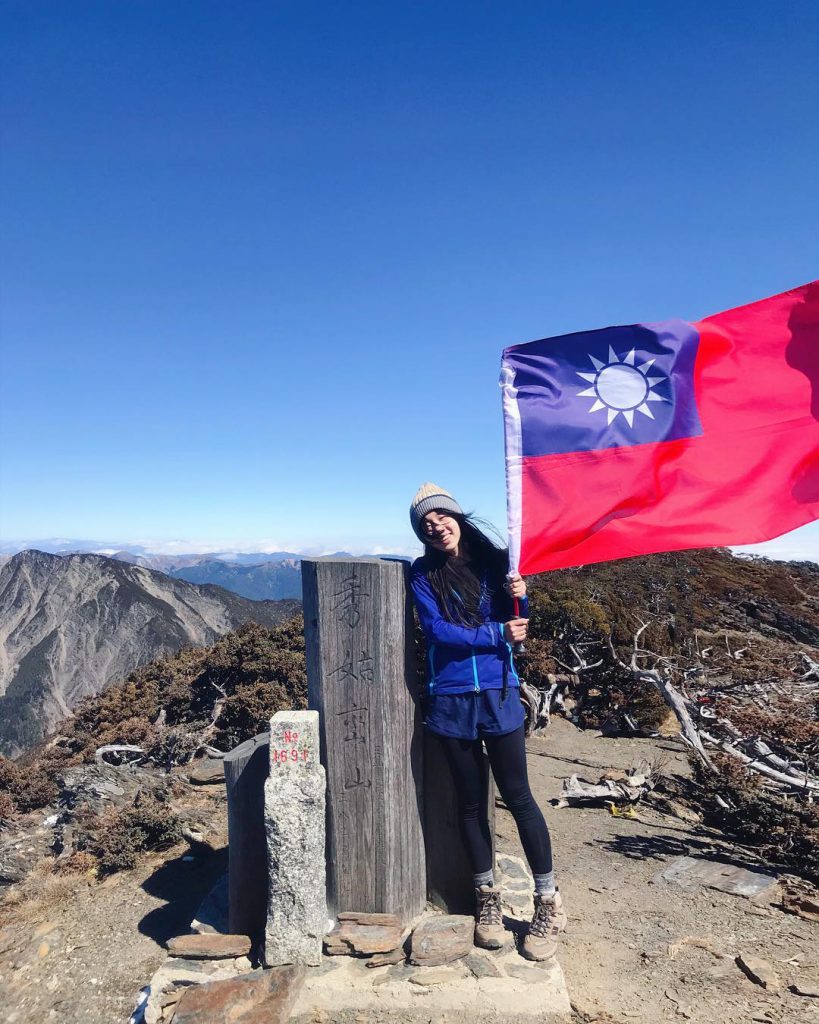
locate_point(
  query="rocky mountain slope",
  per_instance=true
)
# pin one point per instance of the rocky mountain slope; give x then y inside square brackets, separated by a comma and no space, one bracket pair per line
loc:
[70,625]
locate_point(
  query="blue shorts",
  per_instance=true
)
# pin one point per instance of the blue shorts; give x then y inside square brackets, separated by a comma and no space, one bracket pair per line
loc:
[470,716]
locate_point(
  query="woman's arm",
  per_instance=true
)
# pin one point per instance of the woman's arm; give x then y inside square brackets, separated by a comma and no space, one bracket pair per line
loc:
[437,630]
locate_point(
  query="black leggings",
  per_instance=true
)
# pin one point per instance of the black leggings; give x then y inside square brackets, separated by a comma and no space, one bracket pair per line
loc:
[507,756]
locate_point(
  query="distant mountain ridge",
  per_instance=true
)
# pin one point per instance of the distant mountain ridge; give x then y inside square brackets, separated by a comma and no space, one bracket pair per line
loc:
[72,624]
[267,581]
[257,575]
[140,555]
[172,563]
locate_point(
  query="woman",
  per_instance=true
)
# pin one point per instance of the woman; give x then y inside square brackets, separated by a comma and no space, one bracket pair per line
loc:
[464,603]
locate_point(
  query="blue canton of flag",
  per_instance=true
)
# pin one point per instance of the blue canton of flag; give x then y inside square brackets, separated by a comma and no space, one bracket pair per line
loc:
[611,388]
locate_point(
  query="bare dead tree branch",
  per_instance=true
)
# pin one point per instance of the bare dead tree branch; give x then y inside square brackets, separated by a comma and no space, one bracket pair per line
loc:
[672,697]
[813,667]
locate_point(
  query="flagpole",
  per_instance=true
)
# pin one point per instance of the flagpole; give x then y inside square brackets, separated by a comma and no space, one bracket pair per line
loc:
[513,449]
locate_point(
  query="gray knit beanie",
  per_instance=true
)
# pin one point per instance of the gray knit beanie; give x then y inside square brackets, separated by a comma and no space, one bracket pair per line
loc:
[430,498]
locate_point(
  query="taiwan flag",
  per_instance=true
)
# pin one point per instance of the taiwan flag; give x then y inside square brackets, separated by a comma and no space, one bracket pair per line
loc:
[661,436]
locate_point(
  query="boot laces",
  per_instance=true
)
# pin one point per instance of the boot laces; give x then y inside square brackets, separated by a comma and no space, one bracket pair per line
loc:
[543,918]
[489,908]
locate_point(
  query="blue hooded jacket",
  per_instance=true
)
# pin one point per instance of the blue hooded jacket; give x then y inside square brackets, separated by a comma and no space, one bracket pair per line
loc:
[465,659]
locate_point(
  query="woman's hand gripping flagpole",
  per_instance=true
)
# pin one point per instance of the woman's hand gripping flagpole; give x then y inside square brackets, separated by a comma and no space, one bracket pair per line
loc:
[512,580]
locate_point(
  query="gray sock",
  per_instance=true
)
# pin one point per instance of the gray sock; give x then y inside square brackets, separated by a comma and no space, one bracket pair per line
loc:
[545,884]
[484,878]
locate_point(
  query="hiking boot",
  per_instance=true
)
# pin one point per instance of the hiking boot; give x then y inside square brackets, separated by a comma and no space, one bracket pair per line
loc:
[489,930]
[548,921]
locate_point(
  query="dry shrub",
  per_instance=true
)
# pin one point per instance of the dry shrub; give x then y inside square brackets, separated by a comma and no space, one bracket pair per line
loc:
[80,862]
[788,722]
[785,830]
[41,891]
[169,709]
[54,891]
[27,787]
[116,838]
[8,809]
[175,745]
[37,789]
[9,774]
[11,897]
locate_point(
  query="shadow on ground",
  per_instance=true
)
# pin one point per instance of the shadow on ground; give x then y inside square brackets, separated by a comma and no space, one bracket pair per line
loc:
[654,847]
[183,885]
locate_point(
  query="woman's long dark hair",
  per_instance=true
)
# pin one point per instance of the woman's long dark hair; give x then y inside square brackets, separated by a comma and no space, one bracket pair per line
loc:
[457,582]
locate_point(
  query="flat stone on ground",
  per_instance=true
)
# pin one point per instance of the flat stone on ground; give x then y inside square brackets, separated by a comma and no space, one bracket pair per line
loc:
[209,946]
[358,932]
[440,940]
[482,966]
[759,971]
[352,936]
[262,997]
[517,900]
[207,772]
[385,920]
[395,956]
[401,972]
[513,867]
[328,963]
[523,971]
[176,971]
[695,872]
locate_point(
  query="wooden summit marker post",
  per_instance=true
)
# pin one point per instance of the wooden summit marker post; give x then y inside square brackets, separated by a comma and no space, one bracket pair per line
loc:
[361,680]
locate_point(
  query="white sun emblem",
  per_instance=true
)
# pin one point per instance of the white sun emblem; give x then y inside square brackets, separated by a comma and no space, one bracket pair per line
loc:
[621,387]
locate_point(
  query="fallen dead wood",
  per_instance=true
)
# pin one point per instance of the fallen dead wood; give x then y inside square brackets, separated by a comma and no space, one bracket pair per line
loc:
[119,753]
[626,788]
[763,760]
[661,681]
[805,781]
[702,711]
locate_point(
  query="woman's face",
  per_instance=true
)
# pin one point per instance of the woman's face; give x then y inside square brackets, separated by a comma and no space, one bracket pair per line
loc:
[442,532]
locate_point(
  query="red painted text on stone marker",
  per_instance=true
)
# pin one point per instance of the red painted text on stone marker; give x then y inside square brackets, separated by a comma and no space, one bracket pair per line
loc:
[282,755]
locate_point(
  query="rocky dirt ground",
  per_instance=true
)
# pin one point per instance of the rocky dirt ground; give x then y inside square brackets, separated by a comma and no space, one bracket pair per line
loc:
[76,950]
[643,952]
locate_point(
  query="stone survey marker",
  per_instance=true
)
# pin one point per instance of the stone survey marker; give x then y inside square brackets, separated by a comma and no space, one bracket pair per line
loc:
[294,809]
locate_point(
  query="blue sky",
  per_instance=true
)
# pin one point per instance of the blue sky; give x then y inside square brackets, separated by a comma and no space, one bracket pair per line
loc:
[260,259]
